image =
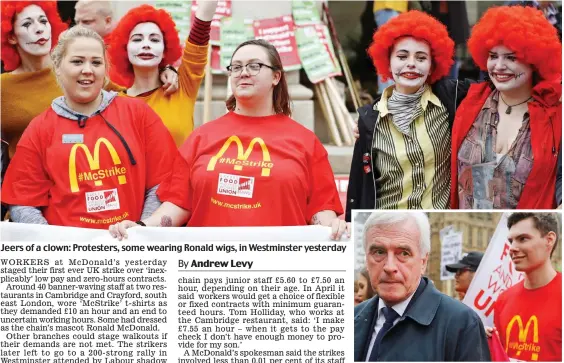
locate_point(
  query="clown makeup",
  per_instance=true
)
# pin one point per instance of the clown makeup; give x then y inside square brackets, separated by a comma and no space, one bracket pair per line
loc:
[507,72]
[32,32]
[410,64]
[146,45]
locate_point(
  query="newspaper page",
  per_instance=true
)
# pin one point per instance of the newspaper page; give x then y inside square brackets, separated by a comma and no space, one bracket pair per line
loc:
[105,301]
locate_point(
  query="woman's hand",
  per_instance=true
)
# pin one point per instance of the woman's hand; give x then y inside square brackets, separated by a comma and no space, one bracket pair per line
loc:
[206,10]
[338,227]
[118,230]
[169,78]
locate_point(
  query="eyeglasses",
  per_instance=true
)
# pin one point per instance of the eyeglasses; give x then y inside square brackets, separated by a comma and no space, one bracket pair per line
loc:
[252,69]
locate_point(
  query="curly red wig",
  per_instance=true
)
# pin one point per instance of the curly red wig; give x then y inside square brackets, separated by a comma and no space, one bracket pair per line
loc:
[418,25]
[525,31]
[10,9]
[120,36]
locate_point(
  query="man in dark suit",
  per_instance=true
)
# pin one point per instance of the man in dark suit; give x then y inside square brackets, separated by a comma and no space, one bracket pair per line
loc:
[409,319]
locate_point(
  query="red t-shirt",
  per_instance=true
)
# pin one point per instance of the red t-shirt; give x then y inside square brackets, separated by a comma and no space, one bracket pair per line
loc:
[84,177]
[529,322]
[252,171]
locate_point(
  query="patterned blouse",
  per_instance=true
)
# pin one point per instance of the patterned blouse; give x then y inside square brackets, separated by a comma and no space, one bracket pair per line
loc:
[487,180]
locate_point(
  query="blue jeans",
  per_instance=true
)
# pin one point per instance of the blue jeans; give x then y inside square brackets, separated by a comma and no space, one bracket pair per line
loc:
[381,17]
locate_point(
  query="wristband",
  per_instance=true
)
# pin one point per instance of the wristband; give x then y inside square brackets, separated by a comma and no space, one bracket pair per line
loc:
[168,66]
[141,223]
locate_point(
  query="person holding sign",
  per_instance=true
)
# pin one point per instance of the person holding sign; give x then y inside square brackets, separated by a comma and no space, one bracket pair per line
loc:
[407,308]
[92,158]
[464,271]
[401,159]
[145,40]
[508,131]
[255,166]
[528,315]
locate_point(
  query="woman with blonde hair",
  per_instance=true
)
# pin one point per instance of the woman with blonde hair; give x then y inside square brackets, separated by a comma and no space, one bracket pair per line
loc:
[92,158]
[30,29]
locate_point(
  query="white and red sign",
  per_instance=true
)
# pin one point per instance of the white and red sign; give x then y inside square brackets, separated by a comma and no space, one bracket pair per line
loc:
[102,200]
[235,185]
[280,33]
[495,274]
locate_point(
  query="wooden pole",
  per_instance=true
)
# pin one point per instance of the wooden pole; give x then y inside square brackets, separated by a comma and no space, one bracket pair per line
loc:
[335,104]
[344,64]
[328,114]
[350,123]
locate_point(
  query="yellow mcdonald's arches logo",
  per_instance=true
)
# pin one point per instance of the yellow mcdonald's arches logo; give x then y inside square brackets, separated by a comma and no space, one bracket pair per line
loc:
[93,162]
[242,156]
[523,332]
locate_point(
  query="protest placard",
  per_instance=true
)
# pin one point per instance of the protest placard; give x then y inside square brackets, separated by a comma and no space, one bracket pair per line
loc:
[280,33]
[305,12]
[451,252]
[233,32]
[495,274]
[315,59]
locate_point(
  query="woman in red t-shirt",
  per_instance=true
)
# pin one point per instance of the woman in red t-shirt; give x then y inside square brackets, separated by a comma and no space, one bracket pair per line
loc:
[255,166]
[92,158]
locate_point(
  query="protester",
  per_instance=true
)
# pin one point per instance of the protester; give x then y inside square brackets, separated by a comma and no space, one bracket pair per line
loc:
[98,16]
[95,15]
[464,271]
[528,315]
[92,158]
[407,308]
[29,30]
[401,159]
[286,182]
[508,131]
[146,39]
[364,291]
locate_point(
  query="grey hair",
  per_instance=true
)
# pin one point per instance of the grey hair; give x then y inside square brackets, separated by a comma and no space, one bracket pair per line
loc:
[103,8]
[66,37]
[388,218]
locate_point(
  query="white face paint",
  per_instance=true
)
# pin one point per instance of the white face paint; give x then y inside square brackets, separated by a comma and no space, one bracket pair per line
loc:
[146,45]
[410,64]
[506,71]
[32,31]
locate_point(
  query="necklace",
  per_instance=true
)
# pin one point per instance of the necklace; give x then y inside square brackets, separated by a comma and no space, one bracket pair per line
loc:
[509,107]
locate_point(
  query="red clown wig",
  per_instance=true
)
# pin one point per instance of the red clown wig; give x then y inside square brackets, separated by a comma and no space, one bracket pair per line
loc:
[10,9]
[418,25]
[525,31]
[120,37]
